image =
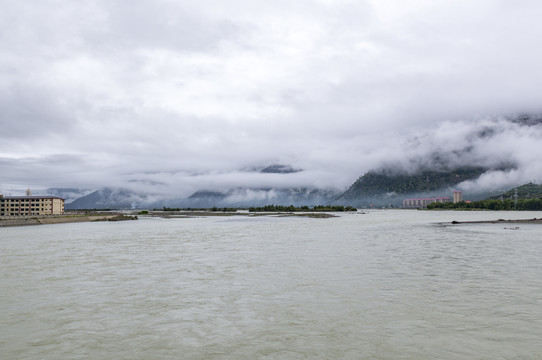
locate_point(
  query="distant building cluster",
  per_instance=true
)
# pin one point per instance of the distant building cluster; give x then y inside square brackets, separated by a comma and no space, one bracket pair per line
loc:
[31,205]
[423,202]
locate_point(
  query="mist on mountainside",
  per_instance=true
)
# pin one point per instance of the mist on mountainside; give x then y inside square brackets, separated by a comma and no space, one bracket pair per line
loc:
[480,156]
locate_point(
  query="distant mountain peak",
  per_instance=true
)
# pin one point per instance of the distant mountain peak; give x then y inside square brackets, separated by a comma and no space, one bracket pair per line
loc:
[207,194]
[279,169]
[109,198]
[527,119]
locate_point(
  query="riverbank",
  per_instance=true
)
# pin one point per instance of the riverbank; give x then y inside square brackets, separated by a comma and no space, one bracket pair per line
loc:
[72,218]
[62,219]
[500,221]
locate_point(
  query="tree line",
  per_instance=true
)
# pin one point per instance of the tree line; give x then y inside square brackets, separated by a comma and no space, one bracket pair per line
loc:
[268,208]
[291,208]
[492,204]
[213,209]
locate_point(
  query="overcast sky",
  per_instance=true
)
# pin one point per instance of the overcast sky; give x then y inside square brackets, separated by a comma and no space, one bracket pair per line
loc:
[175,96]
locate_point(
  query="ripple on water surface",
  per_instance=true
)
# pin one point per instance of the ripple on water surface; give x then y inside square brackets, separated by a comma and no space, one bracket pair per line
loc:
[382,285]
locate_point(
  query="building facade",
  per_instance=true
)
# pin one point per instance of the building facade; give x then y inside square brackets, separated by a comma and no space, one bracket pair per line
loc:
[423,202]
[31,205]
[458,196]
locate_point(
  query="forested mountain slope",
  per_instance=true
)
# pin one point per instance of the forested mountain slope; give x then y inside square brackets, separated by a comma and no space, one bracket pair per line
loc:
[387,182]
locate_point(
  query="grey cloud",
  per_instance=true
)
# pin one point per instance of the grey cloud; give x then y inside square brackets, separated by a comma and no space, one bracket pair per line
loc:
[159,24]
[59,28]
[31,113]
[171,98]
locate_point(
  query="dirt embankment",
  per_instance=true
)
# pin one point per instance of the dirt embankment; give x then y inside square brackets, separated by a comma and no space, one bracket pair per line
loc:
[64,219]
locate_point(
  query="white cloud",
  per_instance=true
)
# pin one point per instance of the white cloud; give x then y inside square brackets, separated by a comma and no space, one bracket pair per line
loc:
[210,87]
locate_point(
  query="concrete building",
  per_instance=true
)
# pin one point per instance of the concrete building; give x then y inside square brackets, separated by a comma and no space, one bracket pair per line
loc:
[458,196]
[423,202]
[31,205]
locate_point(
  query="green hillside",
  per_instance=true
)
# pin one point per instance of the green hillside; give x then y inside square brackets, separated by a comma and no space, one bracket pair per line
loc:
[529,197]
[527,191]
[382,182]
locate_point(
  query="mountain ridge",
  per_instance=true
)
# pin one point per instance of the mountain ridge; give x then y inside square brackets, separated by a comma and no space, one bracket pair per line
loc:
[388,186]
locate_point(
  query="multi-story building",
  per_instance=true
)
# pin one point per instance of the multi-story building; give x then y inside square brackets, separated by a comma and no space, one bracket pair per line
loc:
[31,205]
[423,202]
[458,196]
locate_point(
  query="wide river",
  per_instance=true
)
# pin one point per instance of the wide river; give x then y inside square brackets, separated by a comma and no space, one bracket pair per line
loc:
[387,284]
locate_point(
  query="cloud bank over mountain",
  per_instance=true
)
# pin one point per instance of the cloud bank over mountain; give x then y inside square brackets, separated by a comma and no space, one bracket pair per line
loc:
[172,98]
